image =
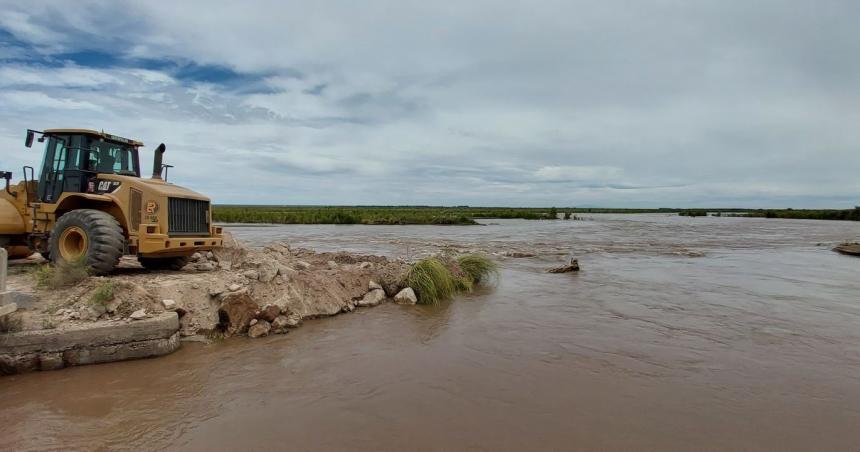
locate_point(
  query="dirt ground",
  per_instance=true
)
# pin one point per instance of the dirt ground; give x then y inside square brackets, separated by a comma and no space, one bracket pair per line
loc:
[231,291]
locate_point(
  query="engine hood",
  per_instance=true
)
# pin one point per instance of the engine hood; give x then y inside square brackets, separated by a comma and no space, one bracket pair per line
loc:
[155,186]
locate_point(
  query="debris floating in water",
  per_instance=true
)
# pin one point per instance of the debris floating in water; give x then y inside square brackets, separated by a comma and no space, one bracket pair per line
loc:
[572,266]
[852,249]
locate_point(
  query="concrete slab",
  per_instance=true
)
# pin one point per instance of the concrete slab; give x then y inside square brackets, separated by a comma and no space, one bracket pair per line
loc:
[22,299]
[7,309]
[90,335]
[89,343]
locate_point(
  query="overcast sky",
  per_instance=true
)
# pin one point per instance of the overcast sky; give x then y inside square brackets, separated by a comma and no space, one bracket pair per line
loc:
[569,103]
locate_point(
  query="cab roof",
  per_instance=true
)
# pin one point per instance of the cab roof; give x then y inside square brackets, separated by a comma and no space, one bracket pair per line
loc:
[101,134]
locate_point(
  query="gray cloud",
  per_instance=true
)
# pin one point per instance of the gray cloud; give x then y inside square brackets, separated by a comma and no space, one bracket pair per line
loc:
[611,103]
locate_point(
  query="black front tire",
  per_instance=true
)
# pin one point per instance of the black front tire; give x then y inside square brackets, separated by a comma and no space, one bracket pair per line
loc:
[163,263]
[105,240]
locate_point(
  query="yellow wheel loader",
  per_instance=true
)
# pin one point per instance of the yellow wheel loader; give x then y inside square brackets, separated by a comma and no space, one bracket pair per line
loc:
[91,204]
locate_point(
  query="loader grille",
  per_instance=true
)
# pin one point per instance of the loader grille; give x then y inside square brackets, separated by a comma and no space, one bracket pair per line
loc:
[187,216]
[134,212]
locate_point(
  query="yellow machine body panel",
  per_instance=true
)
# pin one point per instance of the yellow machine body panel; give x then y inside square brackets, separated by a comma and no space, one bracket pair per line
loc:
[11,219]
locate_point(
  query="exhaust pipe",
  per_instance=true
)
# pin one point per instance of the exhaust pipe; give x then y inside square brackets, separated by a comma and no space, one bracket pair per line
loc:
[156,165]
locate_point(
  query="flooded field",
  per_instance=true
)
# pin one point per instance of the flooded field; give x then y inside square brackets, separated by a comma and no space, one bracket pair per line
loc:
[679,334]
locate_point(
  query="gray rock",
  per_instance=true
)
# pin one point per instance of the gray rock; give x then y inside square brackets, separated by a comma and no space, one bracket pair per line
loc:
[267,271]
[210,256]
[169,305]
[260,329]
[251,274]
[280,324]
[205,267]
[303,265]
[365,265]
[234,287]
[294,320]
[86,314]
[196,257]
[287,272]
[331,265]
[140,314]
[96,310]
[373,285]
[253,322]
[372,298]
[406,296]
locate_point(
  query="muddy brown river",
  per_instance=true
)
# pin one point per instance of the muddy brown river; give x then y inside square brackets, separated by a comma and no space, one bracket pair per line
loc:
[679,334]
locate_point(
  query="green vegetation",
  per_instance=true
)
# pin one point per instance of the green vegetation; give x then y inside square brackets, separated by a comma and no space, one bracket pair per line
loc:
[465,215]
[693,213]
[806,214]
[438,279]
[371,215]
[480,270]
[103,294]
[800,214]
[431,281]
[61,275]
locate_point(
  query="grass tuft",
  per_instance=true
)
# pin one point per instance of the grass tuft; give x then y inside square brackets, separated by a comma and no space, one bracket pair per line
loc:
[480,270]
[61,275]
[463,284]
[103,294]
[431,281]
[438,279]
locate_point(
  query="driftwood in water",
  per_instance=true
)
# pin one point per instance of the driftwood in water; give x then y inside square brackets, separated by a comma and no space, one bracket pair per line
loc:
[852,249]
[572,266]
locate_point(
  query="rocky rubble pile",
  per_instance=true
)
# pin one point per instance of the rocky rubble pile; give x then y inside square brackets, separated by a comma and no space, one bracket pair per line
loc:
[233,290]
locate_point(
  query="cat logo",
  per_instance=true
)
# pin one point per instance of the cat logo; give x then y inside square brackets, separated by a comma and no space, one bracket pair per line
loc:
[151,207]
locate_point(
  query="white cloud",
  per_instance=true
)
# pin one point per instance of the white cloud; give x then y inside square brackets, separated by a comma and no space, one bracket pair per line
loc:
[35,101]
[17,75]
[604,174]
[462,103]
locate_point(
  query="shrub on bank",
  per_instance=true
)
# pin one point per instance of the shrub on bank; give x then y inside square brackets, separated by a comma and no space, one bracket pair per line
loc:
[434,279]
[63,274]
[431,281]
[479,269]
[103,294]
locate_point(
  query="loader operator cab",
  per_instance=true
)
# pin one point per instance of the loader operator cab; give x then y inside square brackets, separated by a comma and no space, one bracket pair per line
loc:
[74,158]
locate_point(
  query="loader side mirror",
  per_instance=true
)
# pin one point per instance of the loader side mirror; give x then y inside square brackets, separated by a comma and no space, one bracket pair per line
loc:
[29,140]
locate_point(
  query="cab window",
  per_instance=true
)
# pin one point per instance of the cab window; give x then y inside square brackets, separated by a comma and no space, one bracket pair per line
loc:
[106,157]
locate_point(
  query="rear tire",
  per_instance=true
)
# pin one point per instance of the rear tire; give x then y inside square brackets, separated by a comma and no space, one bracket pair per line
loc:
[88,234]
[163,263]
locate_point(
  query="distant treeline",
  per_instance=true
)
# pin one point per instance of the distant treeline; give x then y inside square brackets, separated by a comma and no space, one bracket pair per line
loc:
[369,214]
[800,214]
[467,215]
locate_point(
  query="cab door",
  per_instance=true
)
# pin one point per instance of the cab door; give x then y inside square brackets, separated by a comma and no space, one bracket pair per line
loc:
[53,166]
[61,169]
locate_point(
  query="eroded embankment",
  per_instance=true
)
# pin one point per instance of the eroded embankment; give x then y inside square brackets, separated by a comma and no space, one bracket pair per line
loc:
[231,291]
